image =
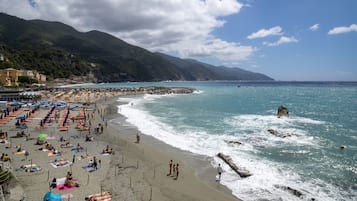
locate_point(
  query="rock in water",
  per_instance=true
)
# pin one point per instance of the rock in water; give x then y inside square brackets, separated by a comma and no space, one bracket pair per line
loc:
[241,172]
[283,111]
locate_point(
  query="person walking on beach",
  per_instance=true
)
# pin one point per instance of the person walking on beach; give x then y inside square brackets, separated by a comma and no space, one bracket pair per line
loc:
[137,138]
[173,170]
[27,154]
[95,164]
[170,168]
[219,171]
[177,171]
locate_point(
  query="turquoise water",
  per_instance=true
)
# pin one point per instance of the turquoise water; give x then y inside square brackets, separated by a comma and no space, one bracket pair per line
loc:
[323,116]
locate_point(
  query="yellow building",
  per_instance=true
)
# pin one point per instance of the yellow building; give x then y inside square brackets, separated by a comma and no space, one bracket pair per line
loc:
[10,77]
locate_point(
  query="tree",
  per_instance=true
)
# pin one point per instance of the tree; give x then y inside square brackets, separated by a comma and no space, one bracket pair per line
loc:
[27,80]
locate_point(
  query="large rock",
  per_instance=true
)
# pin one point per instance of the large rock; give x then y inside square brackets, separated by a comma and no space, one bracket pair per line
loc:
[240,171]
[283,111]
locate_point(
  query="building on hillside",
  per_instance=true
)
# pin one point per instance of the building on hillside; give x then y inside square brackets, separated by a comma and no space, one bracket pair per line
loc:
[27,73]
[10,77]
[2,57]
[41,78]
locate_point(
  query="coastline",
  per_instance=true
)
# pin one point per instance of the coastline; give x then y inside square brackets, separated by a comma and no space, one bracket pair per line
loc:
[135,172]
[197,177]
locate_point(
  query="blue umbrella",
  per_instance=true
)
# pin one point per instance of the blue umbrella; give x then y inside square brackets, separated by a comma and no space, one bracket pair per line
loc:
[52,197]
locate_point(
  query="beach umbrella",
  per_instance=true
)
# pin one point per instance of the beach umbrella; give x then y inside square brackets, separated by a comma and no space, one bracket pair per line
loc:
[52,197]
[42,135]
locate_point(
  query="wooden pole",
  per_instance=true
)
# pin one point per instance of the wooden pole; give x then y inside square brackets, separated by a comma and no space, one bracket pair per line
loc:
[88,180]
[130,182]
[150,194]
[48,175]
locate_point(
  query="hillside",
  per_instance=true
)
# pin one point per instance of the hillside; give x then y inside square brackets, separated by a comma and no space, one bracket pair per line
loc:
[60,51]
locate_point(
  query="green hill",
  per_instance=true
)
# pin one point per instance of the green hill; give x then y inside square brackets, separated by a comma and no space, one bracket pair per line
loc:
[60,51]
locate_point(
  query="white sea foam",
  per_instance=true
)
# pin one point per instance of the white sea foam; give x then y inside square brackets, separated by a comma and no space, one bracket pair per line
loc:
[76,85]
[198,91]
[254,128]
[266,174]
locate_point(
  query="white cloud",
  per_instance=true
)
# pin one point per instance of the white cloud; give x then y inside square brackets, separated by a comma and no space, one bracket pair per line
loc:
[282,40]
[262,33]
[340,30]
[314,27]
[226,51]
[180,26]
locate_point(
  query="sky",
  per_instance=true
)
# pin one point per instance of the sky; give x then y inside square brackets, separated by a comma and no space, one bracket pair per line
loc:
[288,40]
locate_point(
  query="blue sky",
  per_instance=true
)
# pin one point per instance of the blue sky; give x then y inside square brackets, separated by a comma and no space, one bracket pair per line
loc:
[303,40]
[316,55]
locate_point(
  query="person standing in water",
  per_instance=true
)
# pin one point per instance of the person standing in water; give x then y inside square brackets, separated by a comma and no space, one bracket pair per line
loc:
[137,138]
[219,171]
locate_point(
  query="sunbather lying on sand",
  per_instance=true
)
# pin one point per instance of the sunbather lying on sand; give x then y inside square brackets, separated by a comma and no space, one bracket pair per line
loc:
[70,181]
[66,145]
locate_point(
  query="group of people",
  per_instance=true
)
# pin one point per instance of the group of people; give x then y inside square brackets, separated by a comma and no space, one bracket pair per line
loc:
[108,150]
[51,148]
[173,170]
[99,129]
[69,181]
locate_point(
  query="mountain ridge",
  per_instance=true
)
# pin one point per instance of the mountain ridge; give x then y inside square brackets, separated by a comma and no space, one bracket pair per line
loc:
[58,46]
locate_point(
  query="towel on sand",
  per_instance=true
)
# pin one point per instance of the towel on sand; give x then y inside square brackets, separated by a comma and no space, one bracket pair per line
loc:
[88,168]
[104,196]
[62,187]
[61,164]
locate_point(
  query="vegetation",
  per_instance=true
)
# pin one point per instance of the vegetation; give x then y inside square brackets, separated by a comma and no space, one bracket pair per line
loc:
[54,63]
[59,51]
[27,80]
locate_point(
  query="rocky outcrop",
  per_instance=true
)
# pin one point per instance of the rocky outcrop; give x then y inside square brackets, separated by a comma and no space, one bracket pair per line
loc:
[241,172]
[279,134]
[293,191]
[283,112]
[232,142]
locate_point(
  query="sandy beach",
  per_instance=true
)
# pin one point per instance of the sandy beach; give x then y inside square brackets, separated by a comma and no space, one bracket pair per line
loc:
[137,171]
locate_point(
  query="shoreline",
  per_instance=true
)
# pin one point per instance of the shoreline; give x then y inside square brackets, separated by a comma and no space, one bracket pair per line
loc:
[197,176]
[135,172]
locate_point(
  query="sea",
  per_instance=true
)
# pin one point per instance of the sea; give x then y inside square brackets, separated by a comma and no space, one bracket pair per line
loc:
[322,119]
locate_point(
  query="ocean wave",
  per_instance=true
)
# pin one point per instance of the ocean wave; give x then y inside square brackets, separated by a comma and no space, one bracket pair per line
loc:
[266,174]
[254,128]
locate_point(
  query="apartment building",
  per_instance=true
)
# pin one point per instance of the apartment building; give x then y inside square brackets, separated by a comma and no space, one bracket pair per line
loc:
[10,77]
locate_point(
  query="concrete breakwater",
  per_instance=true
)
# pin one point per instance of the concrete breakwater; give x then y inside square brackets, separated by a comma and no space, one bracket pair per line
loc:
[159,90]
